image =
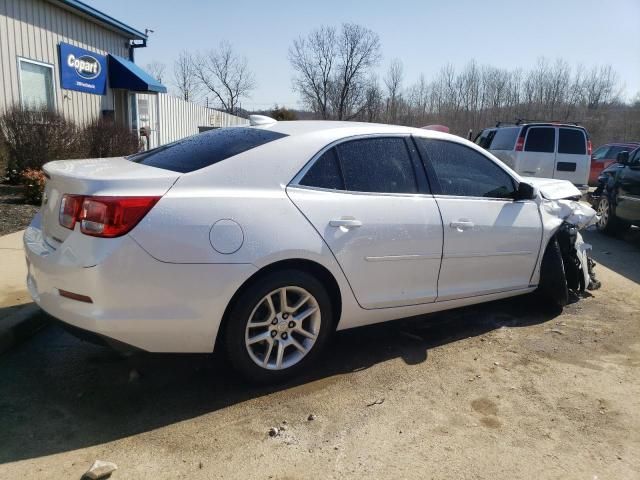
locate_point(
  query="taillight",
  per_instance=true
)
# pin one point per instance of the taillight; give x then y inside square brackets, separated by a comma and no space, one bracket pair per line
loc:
[589,147]
[520,144]
[69,210]
[106,216]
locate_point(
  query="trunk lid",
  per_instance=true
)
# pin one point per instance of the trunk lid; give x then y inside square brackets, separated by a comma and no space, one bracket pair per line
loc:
[115,176]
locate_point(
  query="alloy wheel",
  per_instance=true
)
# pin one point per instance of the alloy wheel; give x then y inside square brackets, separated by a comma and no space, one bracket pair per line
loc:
[282,328]
[603,212]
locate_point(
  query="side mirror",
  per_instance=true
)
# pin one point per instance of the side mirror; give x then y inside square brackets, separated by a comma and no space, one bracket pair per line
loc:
[525,191]
[623,158]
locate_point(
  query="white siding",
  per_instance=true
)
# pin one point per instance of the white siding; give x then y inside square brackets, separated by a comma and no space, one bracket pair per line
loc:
[177,118]
[32,29]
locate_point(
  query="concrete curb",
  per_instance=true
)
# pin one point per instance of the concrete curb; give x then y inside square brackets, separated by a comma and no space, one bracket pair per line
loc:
[21,325]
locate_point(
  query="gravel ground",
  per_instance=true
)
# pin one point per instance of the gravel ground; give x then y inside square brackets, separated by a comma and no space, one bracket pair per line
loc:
[504,390]
[14,213]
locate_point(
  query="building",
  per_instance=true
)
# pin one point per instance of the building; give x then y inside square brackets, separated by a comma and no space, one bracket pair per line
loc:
[68,56]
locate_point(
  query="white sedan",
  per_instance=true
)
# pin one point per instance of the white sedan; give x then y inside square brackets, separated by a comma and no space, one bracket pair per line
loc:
[263,240]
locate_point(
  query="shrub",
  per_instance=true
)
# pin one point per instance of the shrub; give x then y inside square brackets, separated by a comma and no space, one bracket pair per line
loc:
[282,113]
[33,137]
[105,138]
[33,181]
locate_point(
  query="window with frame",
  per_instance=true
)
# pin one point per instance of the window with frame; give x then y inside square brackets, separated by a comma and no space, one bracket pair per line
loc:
[485,137]
[36,85]
[541,139]
[505,138]
[600,153]
[325,172]
[462,171]
[372,165]
[378,165]
[613,152]
[572,141]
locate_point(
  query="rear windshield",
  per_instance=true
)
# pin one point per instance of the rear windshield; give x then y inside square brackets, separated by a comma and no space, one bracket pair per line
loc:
[204,149]
[505,138]
[572,140]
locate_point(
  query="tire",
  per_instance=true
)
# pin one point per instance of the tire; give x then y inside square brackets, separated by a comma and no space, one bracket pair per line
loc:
[260,304]
[608,222]
[553,281]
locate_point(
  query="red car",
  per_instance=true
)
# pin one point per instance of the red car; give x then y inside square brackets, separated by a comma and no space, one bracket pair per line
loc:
[605,155]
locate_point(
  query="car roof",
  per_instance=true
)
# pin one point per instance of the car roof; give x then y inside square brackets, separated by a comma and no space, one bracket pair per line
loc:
[301,127]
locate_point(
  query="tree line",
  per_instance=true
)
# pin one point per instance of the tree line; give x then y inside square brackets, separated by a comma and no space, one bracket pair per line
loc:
[335,73]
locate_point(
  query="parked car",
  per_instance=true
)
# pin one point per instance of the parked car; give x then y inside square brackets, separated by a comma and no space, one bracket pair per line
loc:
[541,149]
[617,196]
[606,155]
[262,240]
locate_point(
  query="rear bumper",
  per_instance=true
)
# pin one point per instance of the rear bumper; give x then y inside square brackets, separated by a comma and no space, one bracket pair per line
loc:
[136,300]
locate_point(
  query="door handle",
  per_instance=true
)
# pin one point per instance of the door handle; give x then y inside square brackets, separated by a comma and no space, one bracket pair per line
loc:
[346,222]
[461,225]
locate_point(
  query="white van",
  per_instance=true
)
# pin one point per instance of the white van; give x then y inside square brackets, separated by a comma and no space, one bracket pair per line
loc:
[547,150]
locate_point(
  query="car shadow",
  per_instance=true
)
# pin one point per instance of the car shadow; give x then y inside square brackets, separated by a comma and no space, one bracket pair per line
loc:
[59,394]
[620,252]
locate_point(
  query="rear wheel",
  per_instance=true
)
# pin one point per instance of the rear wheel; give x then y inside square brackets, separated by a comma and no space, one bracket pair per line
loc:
[278,326]
[553,281]
[608,222]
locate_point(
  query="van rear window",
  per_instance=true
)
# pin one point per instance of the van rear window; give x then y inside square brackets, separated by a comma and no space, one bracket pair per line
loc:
[505,138]
[204,149]
[571,140]
[541,139]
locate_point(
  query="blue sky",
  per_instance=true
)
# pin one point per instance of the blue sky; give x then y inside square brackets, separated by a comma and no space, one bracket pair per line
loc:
[424,35]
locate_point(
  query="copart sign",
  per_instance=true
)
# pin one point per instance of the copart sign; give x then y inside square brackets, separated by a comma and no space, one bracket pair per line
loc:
[82,70]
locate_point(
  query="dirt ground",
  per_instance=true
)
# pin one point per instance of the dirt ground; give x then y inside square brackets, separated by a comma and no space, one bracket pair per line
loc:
[505,390]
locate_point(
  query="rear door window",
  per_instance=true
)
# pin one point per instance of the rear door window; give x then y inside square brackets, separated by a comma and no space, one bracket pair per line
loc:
[505,138]
[380,165]
[204,149]
[572,141]
[541,139]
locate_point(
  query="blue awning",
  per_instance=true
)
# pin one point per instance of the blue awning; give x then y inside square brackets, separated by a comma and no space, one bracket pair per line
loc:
[126,74]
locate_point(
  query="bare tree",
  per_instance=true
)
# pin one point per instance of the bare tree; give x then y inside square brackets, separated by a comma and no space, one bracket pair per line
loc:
[374,101]
[332,68]
[226,75]
[313,59]
[358,51]
[156,69]
[393,82]
[184,77]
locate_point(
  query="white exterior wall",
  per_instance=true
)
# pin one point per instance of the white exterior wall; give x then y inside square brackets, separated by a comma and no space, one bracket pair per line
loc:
[32,29]
[172,118]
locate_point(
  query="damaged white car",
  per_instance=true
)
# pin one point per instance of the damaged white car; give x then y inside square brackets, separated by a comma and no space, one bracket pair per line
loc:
[263,240]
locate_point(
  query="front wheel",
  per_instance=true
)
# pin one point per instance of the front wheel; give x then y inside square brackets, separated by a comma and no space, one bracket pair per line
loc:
[553,281]
[278,326]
